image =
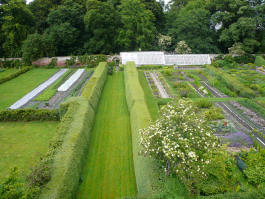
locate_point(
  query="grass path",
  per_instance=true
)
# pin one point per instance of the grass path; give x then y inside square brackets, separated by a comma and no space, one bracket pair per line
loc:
[109,171]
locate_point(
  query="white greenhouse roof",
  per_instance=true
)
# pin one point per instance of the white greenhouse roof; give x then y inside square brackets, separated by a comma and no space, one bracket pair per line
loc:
[188,59]
[71,80]
[143,58]
[159,58]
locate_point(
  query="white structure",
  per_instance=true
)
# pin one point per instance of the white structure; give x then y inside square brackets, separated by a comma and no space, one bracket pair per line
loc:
[159,58]
[71,80]
[144,58]
[24,100]
[188,59]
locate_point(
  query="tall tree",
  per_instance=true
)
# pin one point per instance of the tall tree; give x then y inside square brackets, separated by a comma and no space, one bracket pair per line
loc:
[157,9]
[17,23]
[138,28]
[66,27]
[102,23]
[192,24]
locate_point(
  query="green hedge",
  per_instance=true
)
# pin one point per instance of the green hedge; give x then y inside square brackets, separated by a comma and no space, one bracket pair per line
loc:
[92,90]
[29,115]
[13,75]
[259,61]
[255,194]
[78,119]
[140,118]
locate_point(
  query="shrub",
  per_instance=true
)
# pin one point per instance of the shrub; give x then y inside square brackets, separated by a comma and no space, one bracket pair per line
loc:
[181,141]
[70,62]
[255,161]
[53,63]
[221,176]
[14,188]
[91,61]
[13,75]
[204,103]
[259,61]
[12,63]
[29,115]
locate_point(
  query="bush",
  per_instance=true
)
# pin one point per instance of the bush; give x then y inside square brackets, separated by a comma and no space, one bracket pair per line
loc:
[255,161]
[91,61]
[70,62]
[204,103]
[12,63]
[181,141]
[53,63]
[13,188]
[221,176]
[259,61]
[13,75]
[29,115]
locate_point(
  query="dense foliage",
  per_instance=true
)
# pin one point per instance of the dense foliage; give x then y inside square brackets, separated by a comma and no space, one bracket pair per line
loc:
[65,27]
[181,140]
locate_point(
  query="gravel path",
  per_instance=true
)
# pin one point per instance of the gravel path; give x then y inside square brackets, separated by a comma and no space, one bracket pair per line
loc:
[162,91]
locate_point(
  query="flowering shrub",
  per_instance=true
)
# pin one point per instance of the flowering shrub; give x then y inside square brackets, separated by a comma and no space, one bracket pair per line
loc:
[181,140]
[182,48]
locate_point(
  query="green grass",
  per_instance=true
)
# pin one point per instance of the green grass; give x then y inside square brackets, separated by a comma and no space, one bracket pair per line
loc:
[22,143]
[14,89]
[47,94]
[109,171]
[8,72]
[149,98]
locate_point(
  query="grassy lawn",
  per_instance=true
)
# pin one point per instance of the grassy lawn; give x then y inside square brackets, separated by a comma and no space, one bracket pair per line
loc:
[14,89]
[22,143]
[149,98]
[109,171]
[8,72]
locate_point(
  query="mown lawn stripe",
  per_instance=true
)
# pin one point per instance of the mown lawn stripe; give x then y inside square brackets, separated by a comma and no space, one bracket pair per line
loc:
[109,171]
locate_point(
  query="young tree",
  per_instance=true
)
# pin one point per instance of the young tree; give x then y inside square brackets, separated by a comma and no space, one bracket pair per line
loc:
[138,28]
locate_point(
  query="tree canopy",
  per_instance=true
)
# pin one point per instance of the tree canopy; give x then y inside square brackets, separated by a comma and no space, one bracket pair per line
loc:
[65,27]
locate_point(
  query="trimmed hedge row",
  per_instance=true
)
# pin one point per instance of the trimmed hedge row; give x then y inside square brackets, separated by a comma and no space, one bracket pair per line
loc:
[92,90]
[78,119]
[140,118]
[13,75]
[29,115]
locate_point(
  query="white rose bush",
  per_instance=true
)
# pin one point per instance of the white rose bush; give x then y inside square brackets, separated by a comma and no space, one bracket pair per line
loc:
[181,141]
